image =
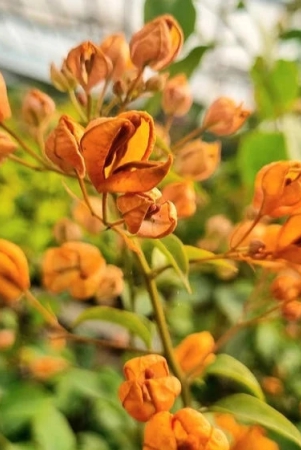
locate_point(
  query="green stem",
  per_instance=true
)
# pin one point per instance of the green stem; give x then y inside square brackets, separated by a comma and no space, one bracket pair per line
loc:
[22,144]
[77,106]
[162,327]
[187,138]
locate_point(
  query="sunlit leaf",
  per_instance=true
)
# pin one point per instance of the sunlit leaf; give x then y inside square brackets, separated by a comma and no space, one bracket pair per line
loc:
[51,430]
[200,256]
[225,366]
[135,324]
[247,408]
[173,250]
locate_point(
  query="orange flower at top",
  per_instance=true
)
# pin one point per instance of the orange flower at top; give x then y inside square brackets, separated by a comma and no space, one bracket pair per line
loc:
[278,189]
[194,353]
[5,111]
[116,152]
[245,437]
[157,44]
[89,65]
[187,429]
[224,117]
[148,387]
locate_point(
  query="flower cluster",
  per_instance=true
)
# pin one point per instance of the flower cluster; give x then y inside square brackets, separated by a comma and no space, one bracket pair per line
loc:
[149,393]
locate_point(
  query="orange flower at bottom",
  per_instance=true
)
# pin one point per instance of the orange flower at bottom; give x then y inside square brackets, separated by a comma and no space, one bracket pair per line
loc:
[148,387]
[186,430]
[245,437]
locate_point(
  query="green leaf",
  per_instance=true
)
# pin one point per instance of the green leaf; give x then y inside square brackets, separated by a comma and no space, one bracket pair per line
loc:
[19,405]
[135,324]
[257,149]
[190,62]
[173,250]
[200,256]
[51,430]
[154,8]
[247,408]
[294,33]
[276,88]
[226,366]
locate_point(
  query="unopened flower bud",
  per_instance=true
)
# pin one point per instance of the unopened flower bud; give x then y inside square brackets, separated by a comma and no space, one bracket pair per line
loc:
[183,196]
[37,108]
[7,339]
[157,44]
[224,117]
[67,230]
[117,50]
[156,83]
[62,79]
[14,271]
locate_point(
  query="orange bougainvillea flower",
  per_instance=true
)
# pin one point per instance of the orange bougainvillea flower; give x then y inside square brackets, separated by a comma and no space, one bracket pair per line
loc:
[76,267]
[62,146]
[288,240]
[149,388]
[224,117]
[187,429]
[66,230]
[89,65]
[198,160]
[245,437]
[145,216]
[14,271]
[194,353]
[287,285]
[5,111]
[277,189]
[46,366]
[183,196]
[177,97]
[157,44]
[116,152]
[116,48]
[37,108]
[7,145]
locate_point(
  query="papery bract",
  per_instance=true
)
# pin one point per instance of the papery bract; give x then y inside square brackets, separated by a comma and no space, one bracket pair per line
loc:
[277,190]
[198,160]
[116,152]
[76,267]
[148,388]
[186,429]
[195,352]
[157,44]
[62,146]
[5,111]
[224,117]
[89,65]
[177,97]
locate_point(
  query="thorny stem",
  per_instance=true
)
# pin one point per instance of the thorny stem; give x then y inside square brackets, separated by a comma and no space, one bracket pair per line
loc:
[25,147]
[77,106]
[162,327]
